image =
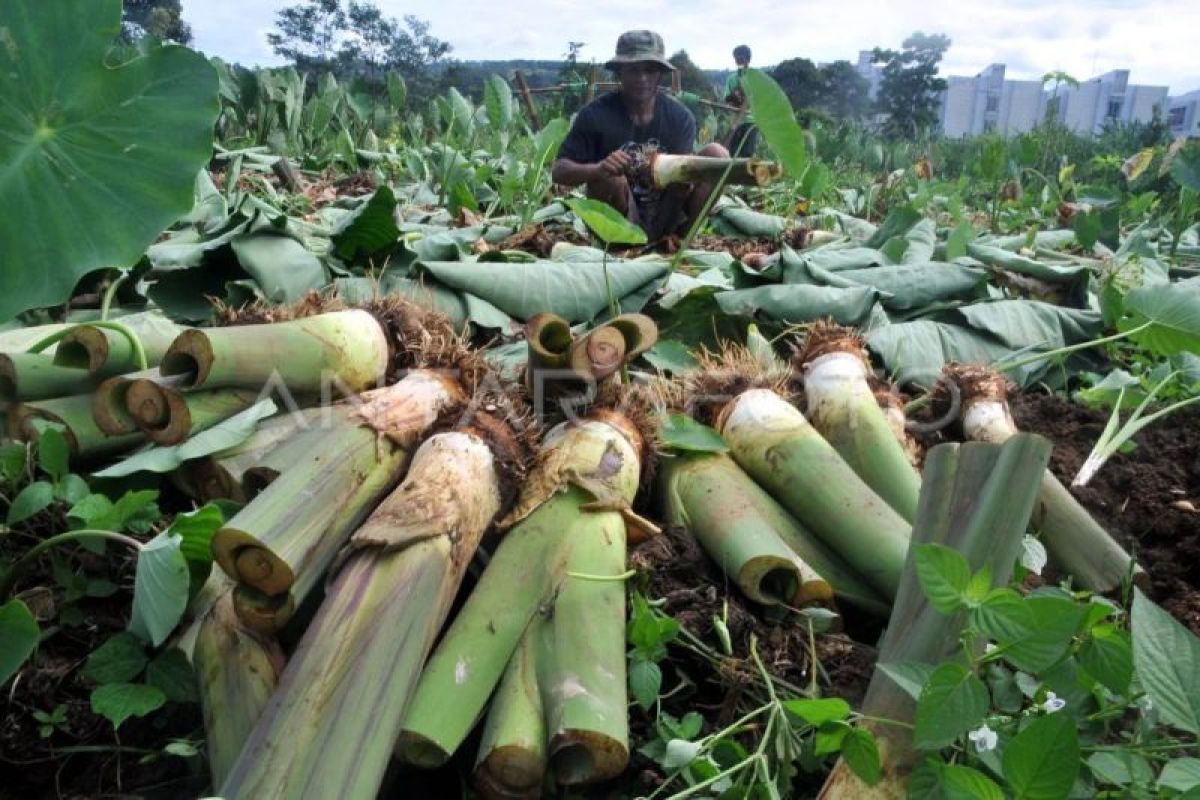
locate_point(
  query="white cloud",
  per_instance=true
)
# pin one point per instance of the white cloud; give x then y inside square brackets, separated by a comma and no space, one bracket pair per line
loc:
[1155,39]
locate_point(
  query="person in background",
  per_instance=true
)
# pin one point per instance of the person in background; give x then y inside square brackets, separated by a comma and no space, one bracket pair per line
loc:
[743,141]
[637,113]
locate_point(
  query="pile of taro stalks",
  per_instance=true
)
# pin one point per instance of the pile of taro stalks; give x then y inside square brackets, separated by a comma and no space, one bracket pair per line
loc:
[404,457]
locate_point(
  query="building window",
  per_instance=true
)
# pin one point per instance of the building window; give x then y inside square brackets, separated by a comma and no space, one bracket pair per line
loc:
[1114,109]
[1176,115]
[993,104]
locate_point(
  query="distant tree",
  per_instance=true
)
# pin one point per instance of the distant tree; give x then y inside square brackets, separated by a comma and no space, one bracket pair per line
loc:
[309,34]
[691,77]
[909,87]
[159,18]
[845,94]
[357,41]
[800,80]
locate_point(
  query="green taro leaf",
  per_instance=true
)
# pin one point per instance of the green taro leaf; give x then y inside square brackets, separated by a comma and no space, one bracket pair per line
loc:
[117,702]
[850,305]
[575,291]
[1174,310]
[96,159]
[19,635]
[371,229]
[953,702]
[1167,658]
[944,575]
[118,660]
[774,116]
[1041,762]
[960,237]
[497,98]
[861,754]
[284,269]
[31,500]
[681,432]
[160,588]
[1185,169]
[606,222]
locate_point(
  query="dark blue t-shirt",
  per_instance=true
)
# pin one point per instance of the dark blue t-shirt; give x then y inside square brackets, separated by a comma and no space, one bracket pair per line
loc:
[604,125]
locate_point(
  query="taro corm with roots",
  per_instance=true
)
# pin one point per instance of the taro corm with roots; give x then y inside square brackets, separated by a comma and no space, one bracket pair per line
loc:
[1075,542]
[842,406]
[543,632]
[777,447]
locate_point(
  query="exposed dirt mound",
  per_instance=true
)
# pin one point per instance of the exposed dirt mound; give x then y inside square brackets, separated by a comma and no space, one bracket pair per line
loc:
[1148,499]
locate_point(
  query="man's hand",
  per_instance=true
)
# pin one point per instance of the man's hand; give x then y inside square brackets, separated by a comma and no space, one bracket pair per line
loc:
[616,163]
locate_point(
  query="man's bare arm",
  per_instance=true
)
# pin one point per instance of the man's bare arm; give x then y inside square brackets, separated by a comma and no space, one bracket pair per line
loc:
[571,173]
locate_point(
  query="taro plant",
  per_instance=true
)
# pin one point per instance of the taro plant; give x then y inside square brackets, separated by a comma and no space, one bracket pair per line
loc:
[98,157]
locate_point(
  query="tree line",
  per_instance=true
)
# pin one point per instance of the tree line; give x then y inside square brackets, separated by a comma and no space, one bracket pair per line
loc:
[355,41]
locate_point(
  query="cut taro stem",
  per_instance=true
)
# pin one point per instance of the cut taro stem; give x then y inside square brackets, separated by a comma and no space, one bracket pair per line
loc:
[568,520]
[512,754]
[347,685]
[976,499]
[287,536]
[343,351]
[776,446]
[169,417]
[35,376]
[1075,541]
[236,670]
[770,555]
[84,437]
[843,409]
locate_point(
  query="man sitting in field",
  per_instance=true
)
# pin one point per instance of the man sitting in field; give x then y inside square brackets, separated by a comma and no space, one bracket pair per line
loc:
[636,113]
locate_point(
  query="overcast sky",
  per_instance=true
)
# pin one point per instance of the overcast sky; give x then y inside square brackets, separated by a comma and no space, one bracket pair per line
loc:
[1155,39]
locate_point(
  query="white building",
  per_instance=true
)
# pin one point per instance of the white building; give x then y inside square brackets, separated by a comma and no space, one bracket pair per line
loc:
[988,102]
[1107,99]
[1183,114]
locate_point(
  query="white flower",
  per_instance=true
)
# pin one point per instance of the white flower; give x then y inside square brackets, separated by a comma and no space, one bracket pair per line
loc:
[984,738]
[989,648]
[1053,703]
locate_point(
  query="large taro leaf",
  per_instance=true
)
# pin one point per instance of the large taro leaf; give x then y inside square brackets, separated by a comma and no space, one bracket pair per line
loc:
[1015,262]
[1173,311]
[284,269]
[734,220]
[915,352]
[1031,324]
[799,303]
[96,159]
[909,286]
[576,292]
[775,118]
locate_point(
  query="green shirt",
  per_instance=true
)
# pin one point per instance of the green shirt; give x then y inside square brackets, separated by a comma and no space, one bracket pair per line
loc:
[733,83]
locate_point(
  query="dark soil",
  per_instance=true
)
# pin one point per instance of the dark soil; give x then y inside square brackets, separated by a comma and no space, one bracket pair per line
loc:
[1149,499]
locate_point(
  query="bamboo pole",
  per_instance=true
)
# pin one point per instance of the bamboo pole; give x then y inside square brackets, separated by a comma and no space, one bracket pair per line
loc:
[527,98]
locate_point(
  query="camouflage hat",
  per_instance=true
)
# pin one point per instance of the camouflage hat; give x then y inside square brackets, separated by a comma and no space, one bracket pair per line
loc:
[639,46]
